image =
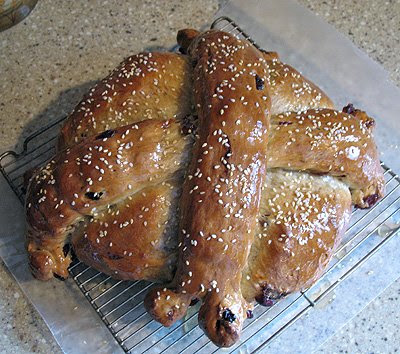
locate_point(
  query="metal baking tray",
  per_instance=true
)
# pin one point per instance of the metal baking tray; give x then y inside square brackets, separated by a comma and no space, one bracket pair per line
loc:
[123,324]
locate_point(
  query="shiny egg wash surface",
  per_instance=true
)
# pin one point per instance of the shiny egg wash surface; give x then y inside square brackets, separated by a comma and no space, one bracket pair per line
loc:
[302,220]
[92,179]
[143,86]
[222,189]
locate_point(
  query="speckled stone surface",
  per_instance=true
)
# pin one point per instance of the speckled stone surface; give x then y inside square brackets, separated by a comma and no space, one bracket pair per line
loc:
[374,330]
[50,59]
[374,26]
[22,330]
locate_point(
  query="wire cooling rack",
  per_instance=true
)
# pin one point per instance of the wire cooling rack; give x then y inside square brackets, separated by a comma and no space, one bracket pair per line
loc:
[120,303]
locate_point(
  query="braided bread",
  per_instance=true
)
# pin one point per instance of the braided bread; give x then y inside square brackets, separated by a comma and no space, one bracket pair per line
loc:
[115,193]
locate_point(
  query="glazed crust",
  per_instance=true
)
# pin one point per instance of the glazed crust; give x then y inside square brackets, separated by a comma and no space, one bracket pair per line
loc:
[143,86]
[134,239]
[302,220]
[363,175]
[289,90]
[159,86]
[222,190]
[87,180]
[330,142]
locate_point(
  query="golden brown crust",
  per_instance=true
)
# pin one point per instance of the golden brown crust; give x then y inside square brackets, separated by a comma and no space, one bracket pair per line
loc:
[365,183]
[290,91]
[159,85]
[221,193]
[134,239]
[143,86]
[302,220]
[330,142]
[89,178]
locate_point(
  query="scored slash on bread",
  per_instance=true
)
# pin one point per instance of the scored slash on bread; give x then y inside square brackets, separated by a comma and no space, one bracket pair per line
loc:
[114,190]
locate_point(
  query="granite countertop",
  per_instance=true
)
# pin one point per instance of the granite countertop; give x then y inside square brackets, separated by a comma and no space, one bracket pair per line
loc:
[51,58]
